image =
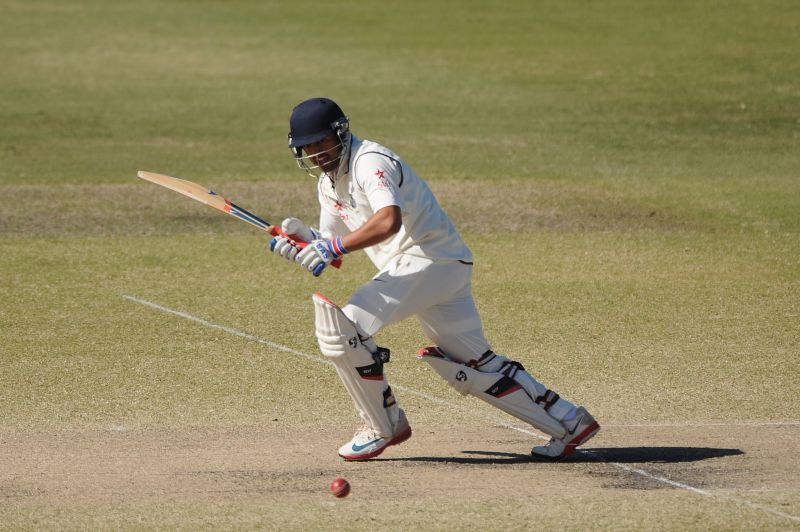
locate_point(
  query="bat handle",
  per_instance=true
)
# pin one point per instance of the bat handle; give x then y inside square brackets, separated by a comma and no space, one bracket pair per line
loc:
[275,231]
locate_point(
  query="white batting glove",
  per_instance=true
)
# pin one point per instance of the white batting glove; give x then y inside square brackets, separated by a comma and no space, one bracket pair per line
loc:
[296,228]
[285,247]
[320,253]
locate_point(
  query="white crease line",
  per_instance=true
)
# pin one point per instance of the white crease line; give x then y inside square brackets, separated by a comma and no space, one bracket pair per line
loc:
[698,491]
[454,406]
[228,330]
[314,358]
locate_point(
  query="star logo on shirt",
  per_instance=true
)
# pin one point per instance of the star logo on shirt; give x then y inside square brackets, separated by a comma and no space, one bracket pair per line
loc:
[339,206]
[381,178]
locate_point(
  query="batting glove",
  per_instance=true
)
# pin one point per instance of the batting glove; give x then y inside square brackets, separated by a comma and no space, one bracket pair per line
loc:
[296,228]
[285,247]
[320,253]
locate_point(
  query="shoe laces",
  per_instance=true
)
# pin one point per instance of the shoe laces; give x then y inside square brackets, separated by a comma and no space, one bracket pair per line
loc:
[366,433]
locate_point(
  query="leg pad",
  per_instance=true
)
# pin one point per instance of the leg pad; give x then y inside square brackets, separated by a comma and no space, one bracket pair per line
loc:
[359,369]
[505,389]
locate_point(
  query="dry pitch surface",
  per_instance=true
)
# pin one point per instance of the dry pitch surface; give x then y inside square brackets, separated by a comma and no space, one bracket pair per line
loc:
[470,475]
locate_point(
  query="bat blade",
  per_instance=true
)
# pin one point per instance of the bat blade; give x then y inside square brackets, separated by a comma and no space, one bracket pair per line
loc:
[212,199]
[208,197]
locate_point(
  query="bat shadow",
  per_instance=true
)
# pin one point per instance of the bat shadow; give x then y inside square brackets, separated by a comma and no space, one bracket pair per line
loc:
[625,455]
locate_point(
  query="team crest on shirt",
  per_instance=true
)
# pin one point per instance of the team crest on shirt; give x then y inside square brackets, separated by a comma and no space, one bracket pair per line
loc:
[382,183]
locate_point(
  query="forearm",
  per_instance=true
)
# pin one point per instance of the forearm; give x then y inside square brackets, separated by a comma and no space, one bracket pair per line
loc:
[382,225]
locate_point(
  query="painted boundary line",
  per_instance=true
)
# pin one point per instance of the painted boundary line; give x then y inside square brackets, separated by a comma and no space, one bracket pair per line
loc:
[496,420]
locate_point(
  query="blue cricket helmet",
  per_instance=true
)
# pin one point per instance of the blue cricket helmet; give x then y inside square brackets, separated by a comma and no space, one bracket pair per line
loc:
[313,120]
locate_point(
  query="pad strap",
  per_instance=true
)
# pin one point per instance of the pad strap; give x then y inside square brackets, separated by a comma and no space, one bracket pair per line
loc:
[510,368]
[547,400]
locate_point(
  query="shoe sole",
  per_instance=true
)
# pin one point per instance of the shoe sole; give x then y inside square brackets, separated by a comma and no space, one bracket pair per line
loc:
[586,434]
[400,438]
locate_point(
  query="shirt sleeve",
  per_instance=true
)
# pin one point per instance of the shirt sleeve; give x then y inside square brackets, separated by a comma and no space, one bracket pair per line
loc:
[380,176]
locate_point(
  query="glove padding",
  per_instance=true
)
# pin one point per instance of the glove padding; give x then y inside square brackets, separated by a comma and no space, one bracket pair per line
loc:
[287,246]
[296,228]
[320,253]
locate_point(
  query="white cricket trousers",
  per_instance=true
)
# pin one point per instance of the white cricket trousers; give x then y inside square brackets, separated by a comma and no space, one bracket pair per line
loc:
[438,293]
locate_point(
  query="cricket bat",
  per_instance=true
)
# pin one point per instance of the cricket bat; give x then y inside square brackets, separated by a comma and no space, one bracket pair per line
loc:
[212,199]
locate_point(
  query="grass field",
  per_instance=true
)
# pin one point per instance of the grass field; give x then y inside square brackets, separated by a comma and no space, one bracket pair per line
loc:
[626,173]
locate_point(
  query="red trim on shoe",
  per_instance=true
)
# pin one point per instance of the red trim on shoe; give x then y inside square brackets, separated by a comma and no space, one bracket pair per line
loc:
[587,433]
[400,438]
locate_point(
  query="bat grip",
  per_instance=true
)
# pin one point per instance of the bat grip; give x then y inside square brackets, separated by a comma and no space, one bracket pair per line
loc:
[275,231]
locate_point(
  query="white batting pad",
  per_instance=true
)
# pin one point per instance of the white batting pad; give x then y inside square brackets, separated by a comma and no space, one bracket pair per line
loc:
[497,389]
[361,374]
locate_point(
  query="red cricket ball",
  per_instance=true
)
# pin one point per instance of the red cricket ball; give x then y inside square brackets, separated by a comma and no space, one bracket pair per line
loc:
[340,487]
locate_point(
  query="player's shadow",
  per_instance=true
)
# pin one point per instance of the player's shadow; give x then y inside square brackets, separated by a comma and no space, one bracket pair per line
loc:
[625,455]
[665,455]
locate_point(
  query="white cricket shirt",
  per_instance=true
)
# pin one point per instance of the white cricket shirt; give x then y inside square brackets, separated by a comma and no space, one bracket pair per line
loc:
[378,178]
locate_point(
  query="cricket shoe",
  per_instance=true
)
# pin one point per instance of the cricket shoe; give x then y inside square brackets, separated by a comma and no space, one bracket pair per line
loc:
[368,443]
[580,429]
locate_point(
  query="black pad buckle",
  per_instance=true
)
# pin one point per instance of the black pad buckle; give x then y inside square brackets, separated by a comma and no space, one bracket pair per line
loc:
[382,355]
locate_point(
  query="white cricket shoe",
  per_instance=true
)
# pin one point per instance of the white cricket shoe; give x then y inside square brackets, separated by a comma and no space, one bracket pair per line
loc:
[580,430]
[367,443]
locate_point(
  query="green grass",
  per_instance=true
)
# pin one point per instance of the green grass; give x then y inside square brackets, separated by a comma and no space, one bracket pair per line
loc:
[678,90]
[622,308]
[626,173]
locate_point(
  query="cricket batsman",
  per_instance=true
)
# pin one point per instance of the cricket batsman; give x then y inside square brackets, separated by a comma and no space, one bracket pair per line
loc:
[371,200]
